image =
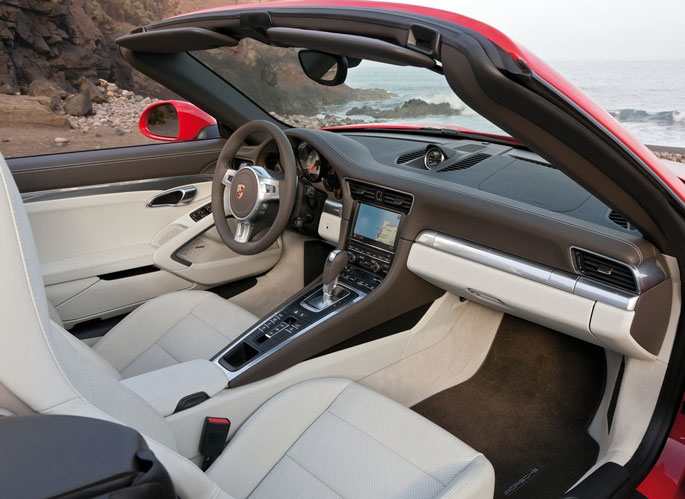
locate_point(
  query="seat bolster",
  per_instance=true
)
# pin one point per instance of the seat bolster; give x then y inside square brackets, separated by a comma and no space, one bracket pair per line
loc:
[173,328]
[476,481]
[144,326]
[54,314]
[268,434]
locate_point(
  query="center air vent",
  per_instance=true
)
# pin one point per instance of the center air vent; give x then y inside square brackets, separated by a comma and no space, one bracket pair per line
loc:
[394,200]
[605,270]
[410,156]
[466,162]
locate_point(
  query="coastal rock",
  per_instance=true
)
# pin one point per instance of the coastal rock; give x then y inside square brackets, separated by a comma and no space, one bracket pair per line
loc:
[94,93]
[78,105]
[24,109]
[412,108]
[47,88]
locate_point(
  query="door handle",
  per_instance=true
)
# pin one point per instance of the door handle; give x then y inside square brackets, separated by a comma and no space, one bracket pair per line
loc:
[178,196]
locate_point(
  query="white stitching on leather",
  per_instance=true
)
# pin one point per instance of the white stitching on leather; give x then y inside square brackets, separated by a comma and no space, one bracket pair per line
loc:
[481,467]
[311,474]
[164,333]
[510,206]
[248,424]
[386,446]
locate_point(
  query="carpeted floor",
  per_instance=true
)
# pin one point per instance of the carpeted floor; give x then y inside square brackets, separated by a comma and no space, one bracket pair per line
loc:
[528,408]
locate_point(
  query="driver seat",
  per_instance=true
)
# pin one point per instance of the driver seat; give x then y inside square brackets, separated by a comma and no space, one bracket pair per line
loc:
[170,329]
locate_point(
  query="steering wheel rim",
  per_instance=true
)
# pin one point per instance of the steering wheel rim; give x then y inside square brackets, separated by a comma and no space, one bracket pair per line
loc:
[251,189]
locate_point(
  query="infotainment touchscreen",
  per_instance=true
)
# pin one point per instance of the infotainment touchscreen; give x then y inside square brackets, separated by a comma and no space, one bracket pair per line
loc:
[376,226]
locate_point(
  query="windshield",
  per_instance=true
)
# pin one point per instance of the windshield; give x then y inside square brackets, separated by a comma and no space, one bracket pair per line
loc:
[373,92]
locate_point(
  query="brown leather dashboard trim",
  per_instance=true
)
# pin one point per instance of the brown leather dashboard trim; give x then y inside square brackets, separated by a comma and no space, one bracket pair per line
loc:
[477,216]
[652,314]
[121,164]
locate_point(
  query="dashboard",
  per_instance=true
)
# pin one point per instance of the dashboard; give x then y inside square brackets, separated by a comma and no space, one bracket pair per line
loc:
[484,220]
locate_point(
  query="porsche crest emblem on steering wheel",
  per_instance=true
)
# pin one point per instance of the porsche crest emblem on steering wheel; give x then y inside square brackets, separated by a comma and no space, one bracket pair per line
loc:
[240,190]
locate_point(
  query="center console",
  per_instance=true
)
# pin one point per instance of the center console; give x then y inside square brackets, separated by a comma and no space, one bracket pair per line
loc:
[349,276]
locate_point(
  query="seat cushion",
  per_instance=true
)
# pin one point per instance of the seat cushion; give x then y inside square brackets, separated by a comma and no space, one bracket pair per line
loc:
[176,327]
[333,438]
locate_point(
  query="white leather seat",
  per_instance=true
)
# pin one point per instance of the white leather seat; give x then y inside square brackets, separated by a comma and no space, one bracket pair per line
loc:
[176,327]
[333,438]
[318,439]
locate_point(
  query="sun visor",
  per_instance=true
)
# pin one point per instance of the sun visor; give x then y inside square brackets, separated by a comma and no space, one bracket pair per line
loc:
[359,47]
[172,40]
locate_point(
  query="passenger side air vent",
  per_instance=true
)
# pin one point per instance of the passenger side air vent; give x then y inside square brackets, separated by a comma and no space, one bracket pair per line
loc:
[410,156]
[605,270]
[398,201]
[619,219]
[466,162]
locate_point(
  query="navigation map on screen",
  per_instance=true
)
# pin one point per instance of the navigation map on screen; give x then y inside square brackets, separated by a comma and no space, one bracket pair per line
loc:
[377,225]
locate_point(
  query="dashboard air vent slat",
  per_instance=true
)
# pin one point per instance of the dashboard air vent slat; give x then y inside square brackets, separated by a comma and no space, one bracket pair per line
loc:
[410,156]
[398,201]
[605,270]
[619,219]
[465,163]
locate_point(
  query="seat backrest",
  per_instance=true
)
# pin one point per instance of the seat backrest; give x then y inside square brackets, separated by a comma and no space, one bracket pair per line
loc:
[51,371]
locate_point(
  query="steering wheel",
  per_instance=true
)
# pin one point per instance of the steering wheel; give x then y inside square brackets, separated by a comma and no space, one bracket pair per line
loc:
[253,192]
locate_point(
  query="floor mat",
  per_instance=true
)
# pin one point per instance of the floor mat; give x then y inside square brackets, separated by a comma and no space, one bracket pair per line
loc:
[527,409]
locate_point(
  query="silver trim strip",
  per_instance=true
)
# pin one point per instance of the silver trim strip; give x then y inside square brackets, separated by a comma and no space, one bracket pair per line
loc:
[231,375]
[333,208]
[154,184]
[549,276]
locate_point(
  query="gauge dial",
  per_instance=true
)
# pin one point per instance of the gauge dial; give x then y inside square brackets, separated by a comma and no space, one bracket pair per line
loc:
[433,158]
[310,162]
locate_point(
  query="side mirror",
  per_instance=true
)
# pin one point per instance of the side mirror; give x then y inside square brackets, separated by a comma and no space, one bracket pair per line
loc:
[175,120]
[324,69]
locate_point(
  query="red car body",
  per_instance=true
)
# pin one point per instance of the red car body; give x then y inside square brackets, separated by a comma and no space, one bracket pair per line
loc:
[667,478]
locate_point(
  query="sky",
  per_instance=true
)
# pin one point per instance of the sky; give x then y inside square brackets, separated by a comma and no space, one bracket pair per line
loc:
[568,30]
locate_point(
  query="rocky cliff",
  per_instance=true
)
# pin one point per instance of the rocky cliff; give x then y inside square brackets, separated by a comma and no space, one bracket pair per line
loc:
[63,40]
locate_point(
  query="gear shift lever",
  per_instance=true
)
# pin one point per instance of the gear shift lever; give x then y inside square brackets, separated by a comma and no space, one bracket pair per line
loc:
[330,293]
[335,263]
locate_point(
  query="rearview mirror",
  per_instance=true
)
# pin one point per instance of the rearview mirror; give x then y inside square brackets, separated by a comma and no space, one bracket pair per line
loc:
[175,120]
[324,69]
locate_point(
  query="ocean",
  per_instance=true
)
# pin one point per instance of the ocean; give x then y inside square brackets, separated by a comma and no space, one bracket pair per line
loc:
[647,97]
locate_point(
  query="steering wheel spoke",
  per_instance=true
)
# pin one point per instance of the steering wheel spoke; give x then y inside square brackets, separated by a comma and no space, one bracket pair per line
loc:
[228,177]
[244,231]
[269,183]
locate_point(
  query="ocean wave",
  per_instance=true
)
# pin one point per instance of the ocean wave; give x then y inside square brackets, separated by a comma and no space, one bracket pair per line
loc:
[641,116]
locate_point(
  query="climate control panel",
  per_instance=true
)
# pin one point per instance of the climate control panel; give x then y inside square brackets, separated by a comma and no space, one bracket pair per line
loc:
[369,258]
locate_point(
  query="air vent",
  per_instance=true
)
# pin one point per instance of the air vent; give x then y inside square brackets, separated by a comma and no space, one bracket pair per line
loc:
[466,162]
[605,270]
[619,219]
[410,156]
[394,200]
[238,163]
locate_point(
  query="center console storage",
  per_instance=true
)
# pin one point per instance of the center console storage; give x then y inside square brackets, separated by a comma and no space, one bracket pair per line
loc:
[178,387]
[369,250]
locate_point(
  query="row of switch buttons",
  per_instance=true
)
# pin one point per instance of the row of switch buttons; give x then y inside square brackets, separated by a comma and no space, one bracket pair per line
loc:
[201,212]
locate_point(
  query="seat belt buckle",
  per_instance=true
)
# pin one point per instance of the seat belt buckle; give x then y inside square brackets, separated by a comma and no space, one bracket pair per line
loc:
[213,439]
